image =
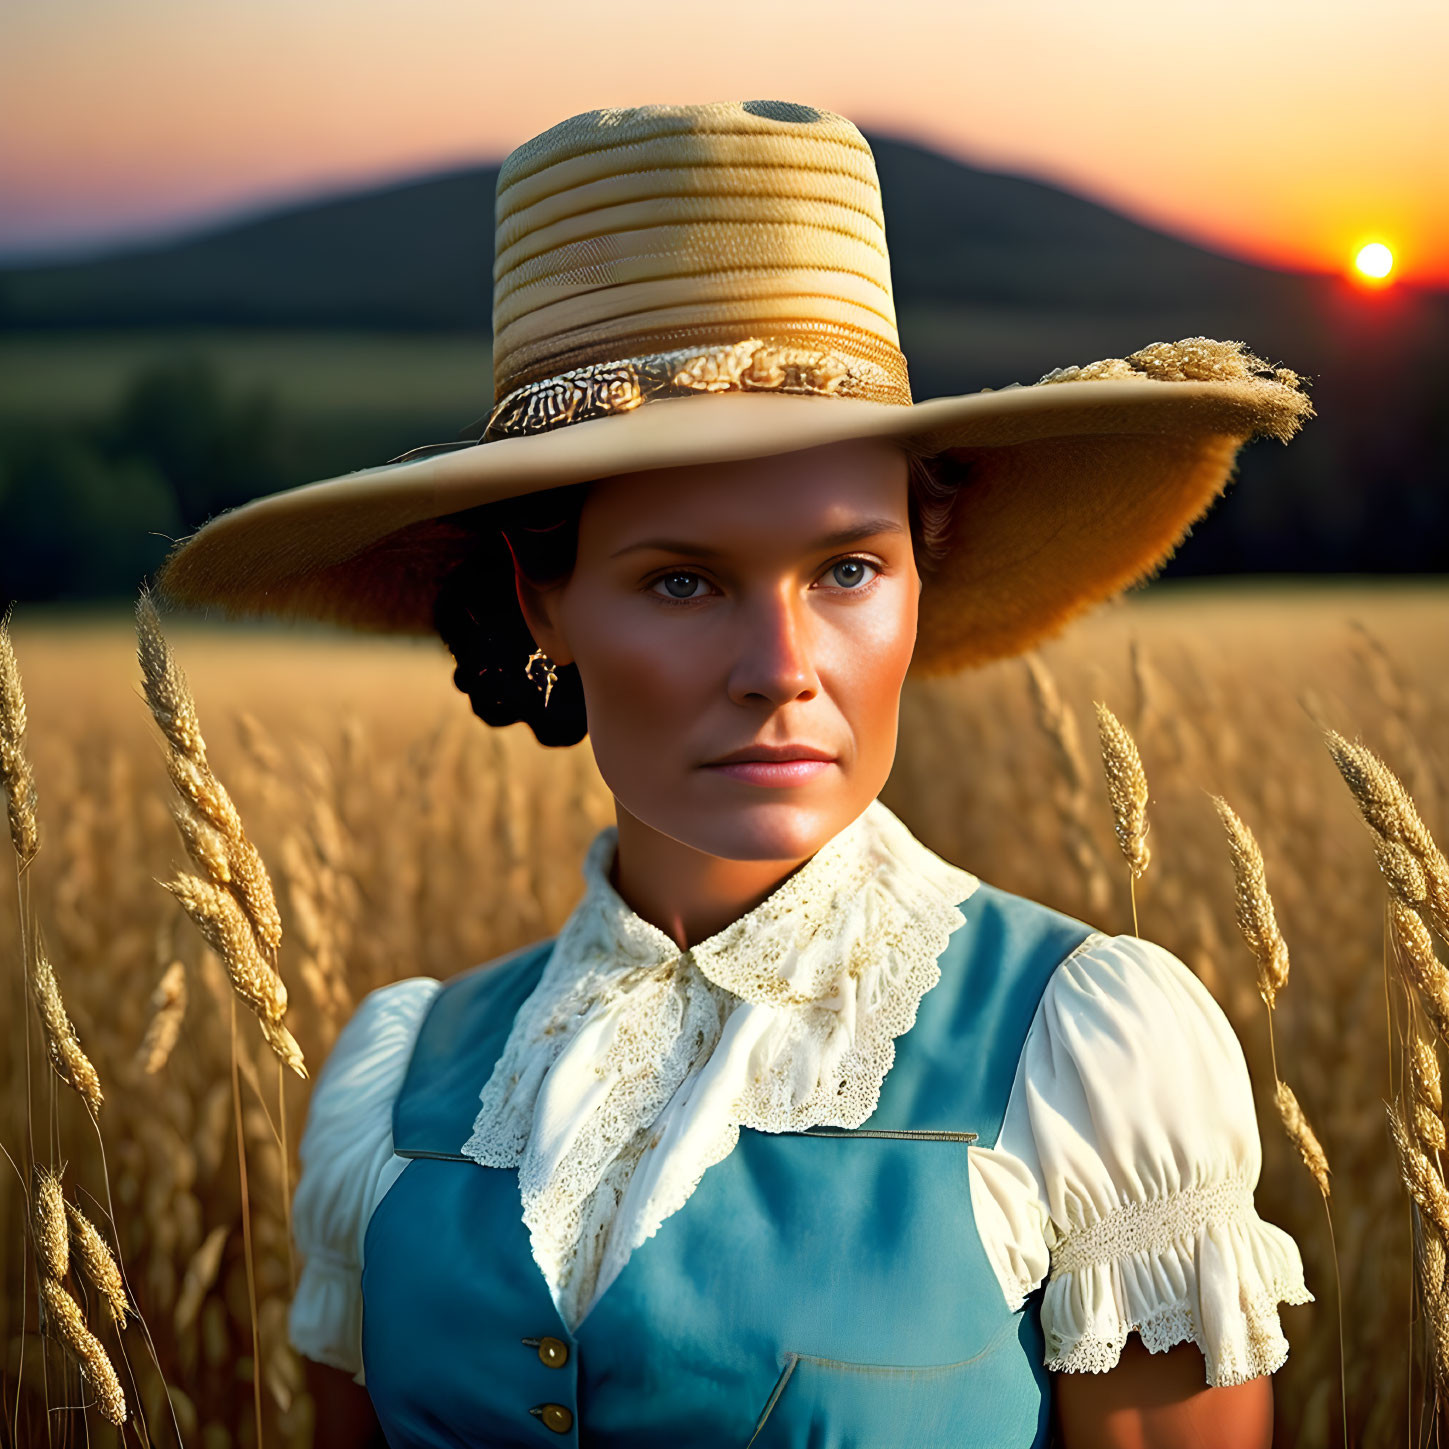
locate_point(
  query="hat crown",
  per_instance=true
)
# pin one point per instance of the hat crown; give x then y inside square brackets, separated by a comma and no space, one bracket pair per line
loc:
[626,233]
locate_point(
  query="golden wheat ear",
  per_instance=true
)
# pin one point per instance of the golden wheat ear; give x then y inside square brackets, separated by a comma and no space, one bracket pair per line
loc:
[1126,788]
[68,1324]
[1302,1136]
[1257,921]
[52,1240]
[97,1263]
[62,1046]
[1408,855]
[1419,964]
[163,1031]
[16,777]
[230,900]
[1426,1093]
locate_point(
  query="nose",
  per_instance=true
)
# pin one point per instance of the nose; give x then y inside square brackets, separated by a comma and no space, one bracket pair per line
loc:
[774,658]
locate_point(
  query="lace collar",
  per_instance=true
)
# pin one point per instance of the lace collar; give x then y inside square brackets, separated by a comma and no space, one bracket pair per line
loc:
[633,1065]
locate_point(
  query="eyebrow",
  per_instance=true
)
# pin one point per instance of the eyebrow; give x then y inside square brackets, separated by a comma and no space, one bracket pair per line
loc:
[841,538]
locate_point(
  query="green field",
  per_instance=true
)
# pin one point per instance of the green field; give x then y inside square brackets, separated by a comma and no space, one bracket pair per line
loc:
[83,375]
[113,443]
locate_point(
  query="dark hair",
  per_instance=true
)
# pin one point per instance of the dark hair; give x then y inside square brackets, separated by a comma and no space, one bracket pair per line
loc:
[476,611]
[935,481]
[477,615]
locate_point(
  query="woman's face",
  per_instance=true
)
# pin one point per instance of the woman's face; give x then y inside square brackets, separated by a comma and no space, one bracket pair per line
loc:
[738,609]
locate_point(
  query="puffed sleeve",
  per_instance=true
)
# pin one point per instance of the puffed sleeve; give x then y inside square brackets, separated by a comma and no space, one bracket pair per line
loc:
[1125,1170]
[347,1166]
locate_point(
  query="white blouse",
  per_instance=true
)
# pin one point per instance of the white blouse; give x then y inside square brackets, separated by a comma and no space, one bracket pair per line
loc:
[1123,1175]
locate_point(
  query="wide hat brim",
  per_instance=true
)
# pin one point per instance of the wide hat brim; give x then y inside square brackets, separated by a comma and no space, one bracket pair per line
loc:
[1078,487]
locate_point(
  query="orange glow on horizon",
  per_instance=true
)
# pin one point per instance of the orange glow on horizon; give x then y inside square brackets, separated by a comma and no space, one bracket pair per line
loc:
[154,114]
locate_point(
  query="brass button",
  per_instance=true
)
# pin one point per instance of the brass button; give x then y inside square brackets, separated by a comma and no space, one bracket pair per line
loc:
[553,1351]
[557,1417]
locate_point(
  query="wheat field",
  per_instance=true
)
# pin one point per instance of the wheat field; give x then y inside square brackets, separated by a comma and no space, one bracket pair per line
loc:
[404,838]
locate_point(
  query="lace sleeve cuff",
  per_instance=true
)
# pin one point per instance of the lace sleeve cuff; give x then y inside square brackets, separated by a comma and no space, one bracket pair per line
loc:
[1199,1266]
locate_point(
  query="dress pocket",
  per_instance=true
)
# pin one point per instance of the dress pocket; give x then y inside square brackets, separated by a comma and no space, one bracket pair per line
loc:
[824,1403]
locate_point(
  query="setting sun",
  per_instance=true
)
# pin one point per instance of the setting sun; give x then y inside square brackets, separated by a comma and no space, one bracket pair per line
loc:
[1374,262]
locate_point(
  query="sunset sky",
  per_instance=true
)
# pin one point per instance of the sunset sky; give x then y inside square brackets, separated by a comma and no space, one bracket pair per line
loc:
[1288,131]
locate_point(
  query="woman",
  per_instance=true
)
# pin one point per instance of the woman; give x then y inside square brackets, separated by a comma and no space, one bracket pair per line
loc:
[795,1133]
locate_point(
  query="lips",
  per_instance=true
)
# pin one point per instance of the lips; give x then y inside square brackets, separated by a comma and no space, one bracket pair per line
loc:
[774,766]
[773,754]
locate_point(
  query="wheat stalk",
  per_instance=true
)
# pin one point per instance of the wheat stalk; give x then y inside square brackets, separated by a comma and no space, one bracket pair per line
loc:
[63,1231]
[284,1045]
[1258,923]
[223,851]
[62,1045]
[1383,801]
[1315,1159]
[97,1263]
[65,1317]
[1425,1098]
[1127,791]
[1302,1135]
[1256,917]
[1419,964]
[204,843]
[1401,869]
[1430,1263]
[16,776]
[1126,788]
[201,1272]
[231,902]
[1411,862]
[52,1242]
[1422,1178]
[163,1031]
[208,817]
[1417,876]
[225,928]
[1424,1074]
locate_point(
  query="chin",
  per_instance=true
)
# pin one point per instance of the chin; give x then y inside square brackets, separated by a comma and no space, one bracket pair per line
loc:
[778,829]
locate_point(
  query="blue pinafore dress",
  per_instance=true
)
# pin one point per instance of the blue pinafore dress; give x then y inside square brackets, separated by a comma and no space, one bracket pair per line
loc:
[824,1289]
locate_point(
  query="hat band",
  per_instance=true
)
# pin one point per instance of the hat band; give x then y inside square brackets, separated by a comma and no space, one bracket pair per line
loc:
[753,365]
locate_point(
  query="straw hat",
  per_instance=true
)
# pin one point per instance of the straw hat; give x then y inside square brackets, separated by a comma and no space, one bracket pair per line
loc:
[683,284]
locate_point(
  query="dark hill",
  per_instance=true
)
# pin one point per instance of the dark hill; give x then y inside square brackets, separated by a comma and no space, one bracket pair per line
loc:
[418,255]
[409,256]
[997,278]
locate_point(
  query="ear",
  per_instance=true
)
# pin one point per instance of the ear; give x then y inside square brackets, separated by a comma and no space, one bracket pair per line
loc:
[539,607]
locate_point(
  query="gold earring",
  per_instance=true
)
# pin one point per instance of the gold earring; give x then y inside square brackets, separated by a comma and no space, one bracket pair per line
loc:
[550,677]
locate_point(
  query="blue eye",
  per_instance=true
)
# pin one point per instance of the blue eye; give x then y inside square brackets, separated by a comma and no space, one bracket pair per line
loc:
[849,573]
[685,580]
